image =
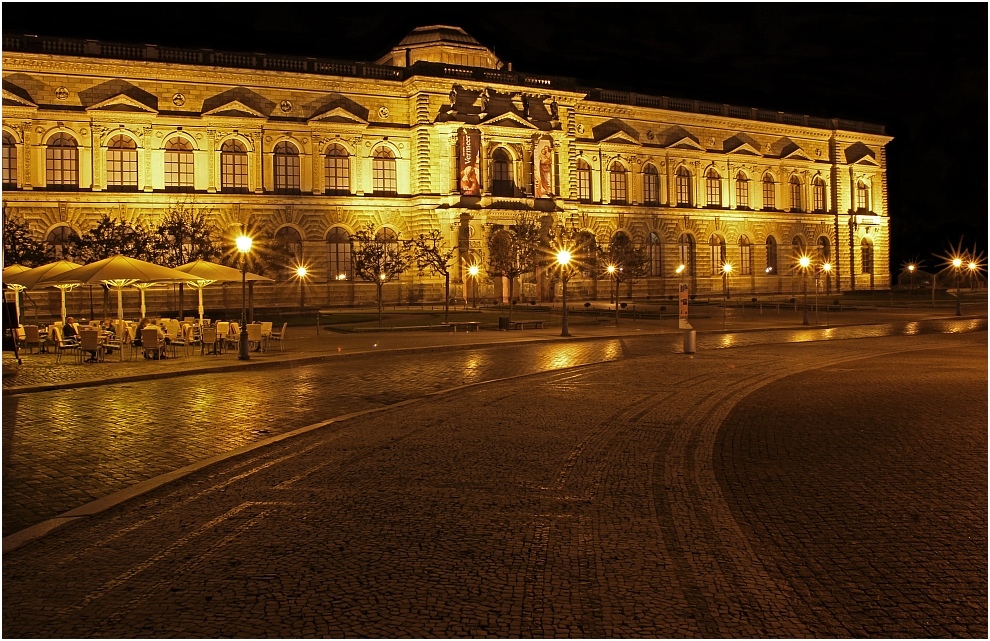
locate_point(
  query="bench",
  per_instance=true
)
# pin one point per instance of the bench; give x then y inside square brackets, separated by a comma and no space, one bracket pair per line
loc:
[532,324]
[465,325]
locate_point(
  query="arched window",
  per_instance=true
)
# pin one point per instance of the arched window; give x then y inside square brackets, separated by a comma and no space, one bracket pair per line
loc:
[742,191]
[502,184]
[862,197]
[617,183]
[9,162]
[339,255]
[286,168]
[818,190]
[795,194]
[686,246]
[62,163]
[717,246]
[233,168]
[866,247]
[772,257]
[383,176]
[584,181]
[651,185]
[179,165]
[769,193]
[337,171]
[713,188]
[683,181]
[745,255]
[653,254]
[824,250]
[59,241]
[122,164]
[290,239]
[797,251]
[388,236]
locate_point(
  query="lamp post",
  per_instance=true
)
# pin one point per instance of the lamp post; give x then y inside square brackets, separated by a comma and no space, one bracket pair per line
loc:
[956,265]
[911,278]
[804,262]
[726,270]
[613,272]
[243,246]
[301,273]
[473,273]
[827,268]
[563,258]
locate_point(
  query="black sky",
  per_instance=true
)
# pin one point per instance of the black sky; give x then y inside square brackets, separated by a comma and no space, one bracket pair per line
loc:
[919,69]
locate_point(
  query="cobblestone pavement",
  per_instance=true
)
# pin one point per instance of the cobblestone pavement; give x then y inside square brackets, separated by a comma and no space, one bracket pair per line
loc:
[65,448]
[828,489]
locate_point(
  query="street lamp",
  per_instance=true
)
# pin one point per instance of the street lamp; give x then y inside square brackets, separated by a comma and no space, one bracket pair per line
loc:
[911,277]
[956,265]
[827,268]
[613,272]
[473,273]
[726,270]
[563,259]
[804,262]
[301,273]
[244,243]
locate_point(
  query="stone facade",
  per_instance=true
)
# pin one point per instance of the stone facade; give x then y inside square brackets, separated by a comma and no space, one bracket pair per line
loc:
[679,177]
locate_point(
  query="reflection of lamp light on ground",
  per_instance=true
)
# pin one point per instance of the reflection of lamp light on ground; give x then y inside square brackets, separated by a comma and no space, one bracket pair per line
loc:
[563,259]
[473,271]
[804,263]
[244,247]
[301,273]
[827,268]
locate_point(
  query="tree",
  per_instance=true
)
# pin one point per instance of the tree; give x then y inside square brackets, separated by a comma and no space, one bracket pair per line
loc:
[431,252]
[183,236]
[378,258]
[622,261]
[515,251]
[20,247]
[108,238]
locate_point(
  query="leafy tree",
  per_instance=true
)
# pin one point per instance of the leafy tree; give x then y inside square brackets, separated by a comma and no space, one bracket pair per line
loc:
[378,258]
[111,237]
[515,251]
[183,236]
[19,245]
[627,263]
[431,252]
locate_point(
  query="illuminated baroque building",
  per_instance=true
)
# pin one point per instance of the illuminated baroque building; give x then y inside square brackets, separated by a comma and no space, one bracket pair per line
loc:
[438,133]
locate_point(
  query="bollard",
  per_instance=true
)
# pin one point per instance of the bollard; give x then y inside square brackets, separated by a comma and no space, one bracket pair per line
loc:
[690,341]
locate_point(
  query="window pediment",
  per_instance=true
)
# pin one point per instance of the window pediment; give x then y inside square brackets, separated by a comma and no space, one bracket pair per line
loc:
[616,130]
[860,154]
[509,119]
[338,115]
[234,109]
[736,146]
[122,102]
[14,96]
[622,138]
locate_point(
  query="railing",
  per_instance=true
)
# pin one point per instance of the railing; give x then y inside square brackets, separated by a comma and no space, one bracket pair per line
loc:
[95,48]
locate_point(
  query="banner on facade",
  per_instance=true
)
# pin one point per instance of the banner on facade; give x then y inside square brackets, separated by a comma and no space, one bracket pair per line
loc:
[543,169]
[682,300]
[469,154]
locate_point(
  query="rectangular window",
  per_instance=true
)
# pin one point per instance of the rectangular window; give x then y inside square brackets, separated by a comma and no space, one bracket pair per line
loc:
[617,183]
[178,171]
[742,194]
[234,173]
[769,201]
[9,165]
[584,185]
[383,176]
[714,192]
[746,259]
[286,174]
[651,189]
[336,175]
[61,168]
[796,196]
[683,190]
[122,170]
[819,198]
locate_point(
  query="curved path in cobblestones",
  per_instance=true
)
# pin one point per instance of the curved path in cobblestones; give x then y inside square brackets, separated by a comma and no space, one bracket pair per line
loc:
[745,492]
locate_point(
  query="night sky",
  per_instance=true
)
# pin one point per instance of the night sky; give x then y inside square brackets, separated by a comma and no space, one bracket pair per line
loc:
[918,69]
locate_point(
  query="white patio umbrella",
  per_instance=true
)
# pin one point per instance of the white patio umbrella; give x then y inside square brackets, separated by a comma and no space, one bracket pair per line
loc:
[10,271]
[208,273]
[45,276]
[119,272]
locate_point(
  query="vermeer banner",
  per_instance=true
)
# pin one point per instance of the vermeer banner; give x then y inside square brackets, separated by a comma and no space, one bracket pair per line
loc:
[469,150]
[543,169]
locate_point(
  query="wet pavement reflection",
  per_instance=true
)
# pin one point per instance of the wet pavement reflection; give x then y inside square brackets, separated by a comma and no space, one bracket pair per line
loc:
[65,448]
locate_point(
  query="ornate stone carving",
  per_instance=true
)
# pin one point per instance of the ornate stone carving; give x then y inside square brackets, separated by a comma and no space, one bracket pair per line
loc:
[178,100]
[62,93]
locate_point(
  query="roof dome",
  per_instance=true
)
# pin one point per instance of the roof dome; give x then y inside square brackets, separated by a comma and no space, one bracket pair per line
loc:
[440,43]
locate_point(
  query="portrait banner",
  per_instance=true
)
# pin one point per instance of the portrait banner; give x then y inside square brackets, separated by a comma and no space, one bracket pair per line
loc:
[469,153]
[543,169]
